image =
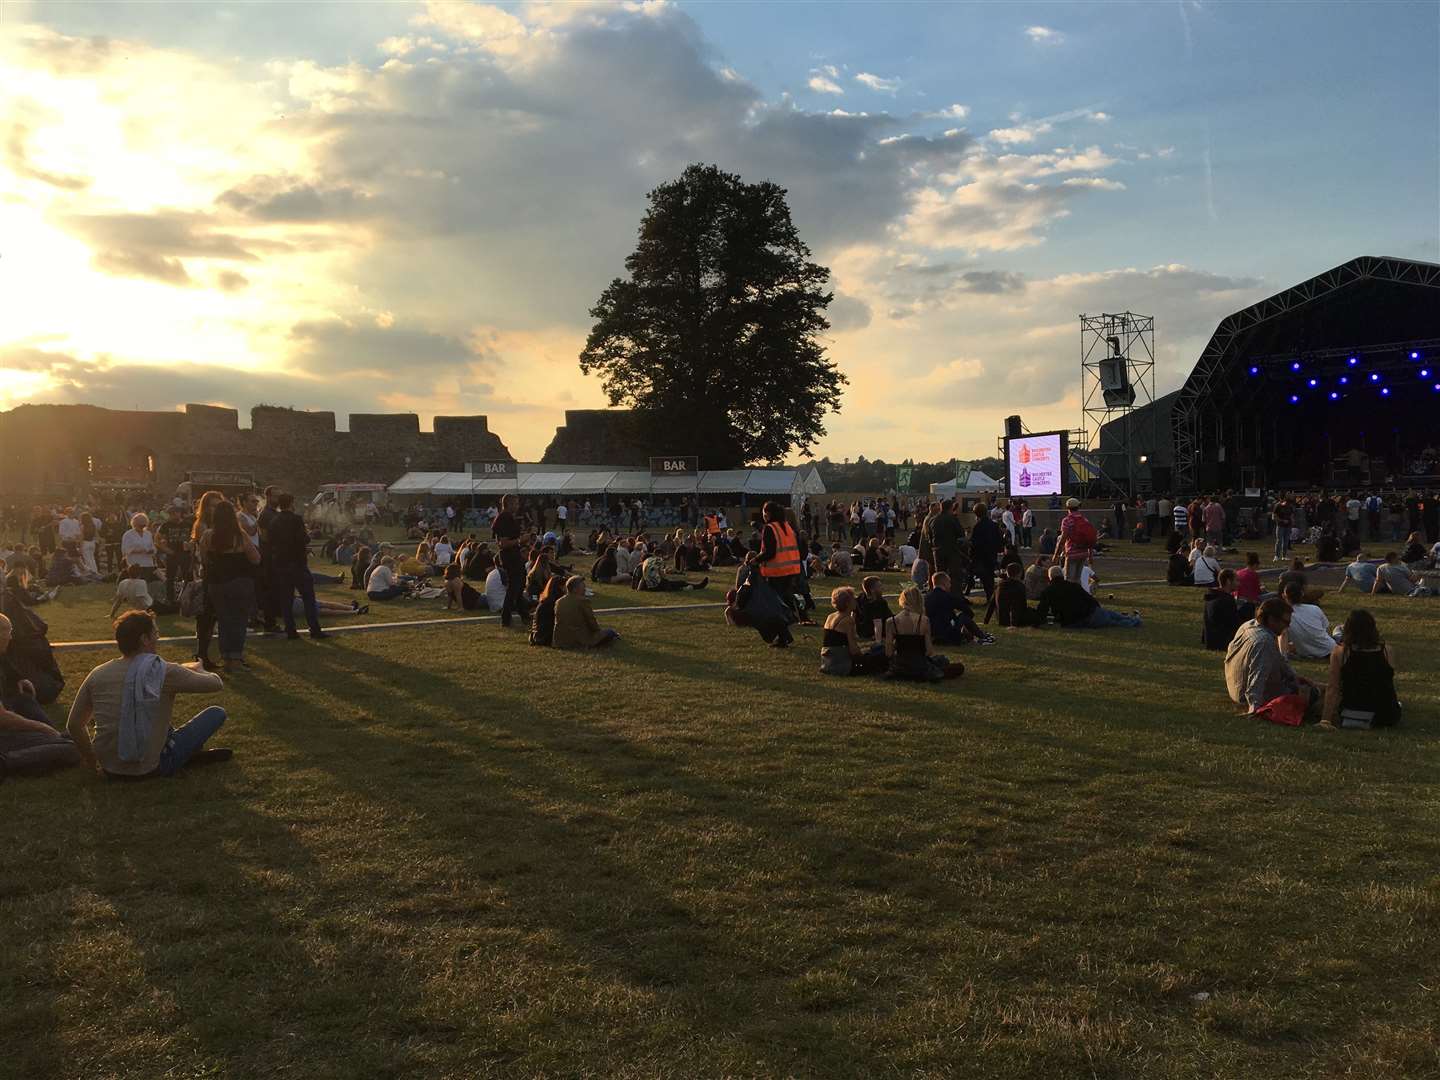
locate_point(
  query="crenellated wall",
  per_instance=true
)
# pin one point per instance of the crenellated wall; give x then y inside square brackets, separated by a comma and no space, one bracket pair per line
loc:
[50,450]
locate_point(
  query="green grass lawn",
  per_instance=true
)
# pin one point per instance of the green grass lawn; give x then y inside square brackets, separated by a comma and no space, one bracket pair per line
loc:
[441,853]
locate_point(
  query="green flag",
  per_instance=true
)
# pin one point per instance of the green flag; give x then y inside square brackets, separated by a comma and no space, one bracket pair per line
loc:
[902,478]
[962,474]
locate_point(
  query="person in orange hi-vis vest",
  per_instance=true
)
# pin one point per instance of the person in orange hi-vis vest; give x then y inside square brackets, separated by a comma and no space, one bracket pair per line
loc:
[780,557]
[712,524]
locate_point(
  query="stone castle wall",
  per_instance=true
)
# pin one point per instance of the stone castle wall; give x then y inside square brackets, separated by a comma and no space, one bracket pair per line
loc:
[54,450]
[596,437]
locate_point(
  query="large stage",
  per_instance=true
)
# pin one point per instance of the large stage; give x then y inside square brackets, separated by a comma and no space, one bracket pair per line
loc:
[1335,381]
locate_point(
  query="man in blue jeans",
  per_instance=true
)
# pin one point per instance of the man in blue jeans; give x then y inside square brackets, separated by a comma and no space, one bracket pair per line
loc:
[129,700]
[1075,608]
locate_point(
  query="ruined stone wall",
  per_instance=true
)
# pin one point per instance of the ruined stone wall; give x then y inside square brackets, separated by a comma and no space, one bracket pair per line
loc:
[48,450]
[595,437]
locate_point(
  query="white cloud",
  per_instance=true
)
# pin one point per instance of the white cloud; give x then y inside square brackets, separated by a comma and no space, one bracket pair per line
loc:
[951,112]
[1098,183]
[1024,133]
[823,84]
[1044,35]
[875,82]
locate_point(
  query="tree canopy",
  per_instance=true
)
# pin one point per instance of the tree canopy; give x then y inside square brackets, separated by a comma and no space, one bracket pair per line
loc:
[714,337]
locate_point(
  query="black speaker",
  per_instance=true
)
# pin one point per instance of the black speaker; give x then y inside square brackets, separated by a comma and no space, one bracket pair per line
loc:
[1012,427]
[1114,375]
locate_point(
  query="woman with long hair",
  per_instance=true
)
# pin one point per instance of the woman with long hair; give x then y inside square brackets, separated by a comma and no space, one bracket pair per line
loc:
[1361,693]
[909,650]
[840,649]
[204,614]
[229,557]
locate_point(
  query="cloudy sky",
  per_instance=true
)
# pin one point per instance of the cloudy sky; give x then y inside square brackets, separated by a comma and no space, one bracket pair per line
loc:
[386,207]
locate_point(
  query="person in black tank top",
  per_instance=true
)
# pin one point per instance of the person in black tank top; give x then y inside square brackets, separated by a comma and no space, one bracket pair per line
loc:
[1361,692]
[908,647]
[840,649]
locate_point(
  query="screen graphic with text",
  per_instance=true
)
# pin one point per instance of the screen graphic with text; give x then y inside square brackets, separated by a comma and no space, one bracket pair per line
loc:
[1036,464]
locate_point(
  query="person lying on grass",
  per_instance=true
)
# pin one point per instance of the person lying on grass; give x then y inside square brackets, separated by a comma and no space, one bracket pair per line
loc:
[1074,608]
[129,700]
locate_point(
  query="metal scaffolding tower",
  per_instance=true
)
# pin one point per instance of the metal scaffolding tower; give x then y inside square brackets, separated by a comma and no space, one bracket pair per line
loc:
[1117,377]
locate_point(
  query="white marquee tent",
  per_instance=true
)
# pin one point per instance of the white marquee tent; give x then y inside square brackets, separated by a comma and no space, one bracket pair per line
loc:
[557,481]
[977,483]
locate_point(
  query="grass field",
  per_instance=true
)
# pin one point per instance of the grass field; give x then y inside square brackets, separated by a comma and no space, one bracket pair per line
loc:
[440,852]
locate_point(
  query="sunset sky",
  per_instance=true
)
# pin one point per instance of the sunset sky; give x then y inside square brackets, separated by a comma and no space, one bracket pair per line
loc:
[385,207]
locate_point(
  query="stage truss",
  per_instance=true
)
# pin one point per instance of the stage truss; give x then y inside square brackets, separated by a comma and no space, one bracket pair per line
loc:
[1129,339]
[1213,375]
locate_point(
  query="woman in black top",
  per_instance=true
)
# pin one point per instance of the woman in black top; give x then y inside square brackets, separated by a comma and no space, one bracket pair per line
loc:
[840,650]
[1361,693]
[909,651]
[542,625]
[229,557]
[205,614]
[870,608]
[512,560]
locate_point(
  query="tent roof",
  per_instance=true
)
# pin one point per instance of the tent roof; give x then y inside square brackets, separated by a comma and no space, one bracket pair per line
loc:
[589,480]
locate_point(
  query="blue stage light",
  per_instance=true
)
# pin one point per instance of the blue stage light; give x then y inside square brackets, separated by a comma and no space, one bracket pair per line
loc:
[1385,391]
[1424,373]
[1352,361]
[1294,399]
[1254,370]
[1414,355]
[1334,395]
[1344,380]
[1374,376]
[1294,365]
[1314,382]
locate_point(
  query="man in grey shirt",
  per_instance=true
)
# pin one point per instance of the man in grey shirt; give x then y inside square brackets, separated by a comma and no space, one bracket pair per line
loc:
[1255,670]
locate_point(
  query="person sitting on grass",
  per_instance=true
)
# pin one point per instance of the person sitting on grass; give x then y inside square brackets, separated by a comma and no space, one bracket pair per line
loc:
[130,699]
[1247,581]
[1309,635]
[29,745]
[1010,601]
[131,592]
[909,648]
[1074,608]
[459,593]
[652,578]
[1393,576]
[383,584]
[1361,573]
[1046,546]
[952,619]
[1206,568]
[840,650]
[360,567]
[871,610]
[1361,690]
[575,624]
[17,691]
[1037,577]
[542,623]
[1414,553]
[1223,614]
[1256,672]
[1177,569]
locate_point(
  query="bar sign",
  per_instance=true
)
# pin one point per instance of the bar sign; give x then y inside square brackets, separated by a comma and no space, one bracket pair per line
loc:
[495,470]
[675,465]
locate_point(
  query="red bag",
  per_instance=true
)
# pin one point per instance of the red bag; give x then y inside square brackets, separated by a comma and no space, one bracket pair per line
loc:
[1287,709]
[1083,536]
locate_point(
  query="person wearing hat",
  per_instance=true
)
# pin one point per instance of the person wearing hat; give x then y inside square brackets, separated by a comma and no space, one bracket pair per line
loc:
[1077,540]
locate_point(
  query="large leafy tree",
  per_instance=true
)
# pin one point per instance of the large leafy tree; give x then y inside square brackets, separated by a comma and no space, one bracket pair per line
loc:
[714,338]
